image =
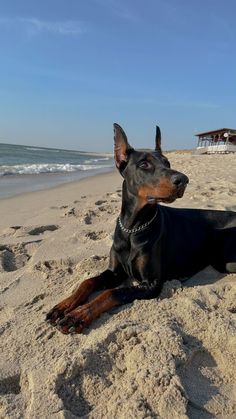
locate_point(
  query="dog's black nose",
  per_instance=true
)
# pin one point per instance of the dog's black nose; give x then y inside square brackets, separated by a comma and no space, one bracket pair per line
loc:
[179,179]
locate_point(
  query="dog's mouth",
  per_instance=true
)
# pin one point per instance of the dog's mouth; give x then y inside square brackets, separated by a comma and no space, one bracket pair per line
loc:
[178,193]
[166,189]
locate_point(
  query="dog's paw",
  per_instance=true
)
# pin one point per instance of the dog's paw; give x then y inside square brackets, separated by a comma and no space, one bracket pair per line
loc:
[76,320]
[59,311]
[54,315]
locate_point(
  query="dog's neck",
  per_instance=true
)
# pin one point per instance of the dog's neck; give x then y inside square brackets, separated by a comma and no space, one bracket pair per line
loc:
[132,214]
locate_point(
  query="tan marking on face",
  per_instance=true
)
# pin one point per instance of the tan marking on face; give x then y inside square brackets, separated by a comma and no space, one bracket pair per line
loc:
[149,157]
[162,190]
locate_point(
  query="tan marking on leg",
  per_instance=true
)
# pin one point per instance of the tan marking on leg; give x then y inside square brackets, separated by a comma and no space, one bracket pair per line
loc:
[141,262]
[80,318]
[70,303]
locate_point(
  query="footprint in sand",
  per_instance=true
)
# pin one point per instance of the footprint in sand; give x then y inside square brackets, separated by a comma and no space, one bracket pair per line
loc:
[59,208]
[5,326]
[16,395]
[12,401]
[72,212]
[10,385]
[44,332]
[119,192]
[100,202]
[11,231]
[13,257]
[198,377]
[35,300]
[42,229]
[91,265]
[20,231]
[96,235]
[89,216]
[60,267]
[110,209]
[15,228]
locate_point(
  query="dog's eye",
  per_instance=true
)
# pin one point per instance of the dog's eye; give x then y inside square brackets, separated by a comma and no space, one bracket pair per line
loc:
[145,165]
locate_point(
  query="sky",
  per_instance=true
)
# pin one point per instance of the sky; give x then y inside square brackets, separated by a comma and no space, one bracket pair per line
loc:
[70,68]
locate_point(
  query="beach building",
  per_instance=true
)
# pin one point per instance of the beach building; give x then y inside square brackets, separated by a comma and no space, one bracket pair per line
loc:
[222,140]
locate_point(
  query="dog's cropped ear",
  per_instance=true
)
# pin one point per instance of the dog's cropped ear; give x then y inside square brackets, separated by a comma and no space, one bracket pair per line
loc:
[158,140]
[121,147]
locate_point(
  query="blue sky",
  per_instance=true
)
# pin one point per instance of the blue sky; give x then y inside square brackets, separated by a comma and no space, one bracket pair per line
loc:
[69,69]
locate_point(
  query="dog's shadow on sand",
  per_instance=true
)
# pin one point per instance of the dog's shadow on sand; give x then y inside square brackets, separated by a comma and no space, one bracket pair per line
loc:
[197,375]
[207,276]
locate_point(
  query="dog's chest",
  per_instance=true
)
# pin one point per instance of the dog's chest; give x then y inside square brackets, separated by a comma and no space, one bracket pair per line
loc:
[135,264]
[127,255]
[134,254]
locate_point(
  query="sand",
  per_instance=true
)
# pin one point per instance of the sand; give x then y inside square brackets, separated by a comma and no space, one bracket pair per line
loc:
[171,357]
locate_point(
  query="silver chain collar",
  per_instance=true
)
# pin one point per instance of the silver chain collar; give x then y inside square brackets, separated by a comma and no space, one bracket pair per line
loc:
[138,229]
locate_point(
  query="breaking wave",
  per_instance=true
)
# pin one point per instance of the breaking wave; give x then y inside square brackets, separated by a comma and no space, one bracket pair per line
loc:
[35,169]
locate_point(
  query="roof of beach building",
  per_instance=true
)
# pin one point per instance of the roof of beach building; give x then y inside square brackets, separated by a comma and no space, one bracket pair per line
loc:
[217,131]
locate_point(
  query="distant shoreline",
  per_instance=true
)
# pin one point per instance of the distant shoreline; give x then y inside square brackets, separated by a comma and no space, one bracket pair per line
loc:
[90,153]
[14,185]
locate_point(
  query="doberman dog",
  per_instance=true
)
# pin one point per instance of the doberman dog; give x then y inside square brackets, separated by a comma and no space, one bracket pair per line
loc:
[152,243]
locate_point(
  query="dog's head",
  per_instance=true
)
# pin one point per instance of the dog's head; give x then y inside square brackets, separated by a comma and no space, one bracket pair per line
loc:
[148,174]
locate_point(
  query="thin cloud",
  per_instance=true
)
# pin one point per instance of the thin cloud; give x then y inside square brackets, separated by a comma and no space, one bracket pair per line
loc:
[195,104]
[119,9]
[34,26]
[125,14]
[164,104]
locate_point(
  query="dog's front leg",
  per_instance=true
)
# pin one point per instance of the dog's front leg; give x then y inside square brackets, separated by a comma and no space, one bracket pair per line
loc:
[78,319]
[107,279]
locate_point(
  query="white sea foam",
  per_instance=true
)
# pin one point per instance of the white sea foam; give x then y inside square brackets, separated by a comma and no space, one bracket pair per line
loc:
[48,150]
[47,168]
[33,149]
[96,160]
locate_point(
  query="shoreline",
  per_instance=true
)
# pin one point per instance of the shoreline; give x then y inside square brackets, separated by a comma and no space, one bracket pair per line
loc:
[57,195]
[15,185]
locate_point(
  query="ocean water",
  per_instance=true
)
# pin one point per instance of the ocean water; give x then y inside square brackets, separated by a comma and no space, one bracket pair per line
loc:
[25,168]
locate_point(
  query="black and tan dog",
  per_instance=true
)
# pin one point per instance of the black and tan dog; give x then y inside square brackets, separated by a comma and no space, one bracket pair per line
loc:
[152,243]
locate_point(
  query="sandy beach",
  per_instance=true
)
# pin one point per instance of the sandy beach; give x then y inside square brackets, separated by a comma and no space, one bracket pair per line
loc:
[171,357]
